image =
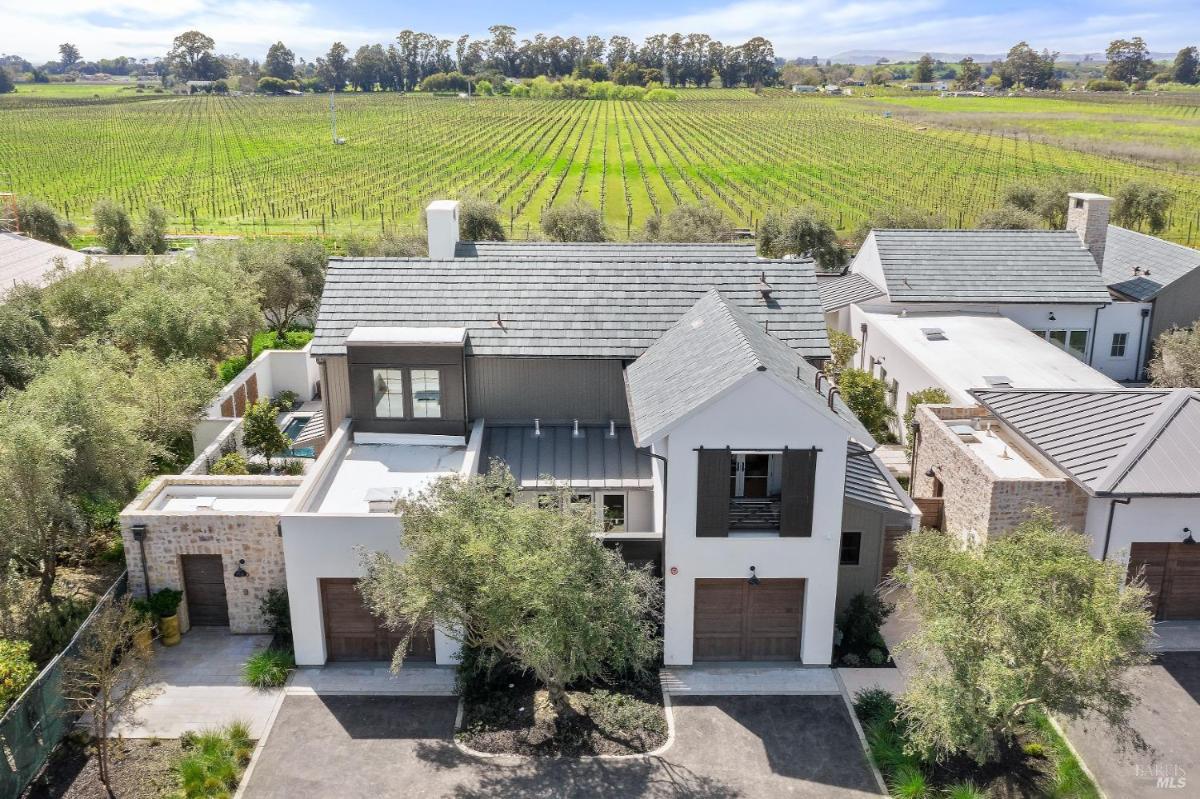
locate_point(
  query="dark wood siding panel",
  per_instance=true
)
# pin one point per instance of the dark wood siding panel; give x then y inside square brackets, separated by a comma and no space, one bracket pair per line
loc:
[712,493]
[353,633]
[718,620]
[447,360]
[590,390]
[1172,573]
[252,389]
[799,484]
[204,589]
[1152,558]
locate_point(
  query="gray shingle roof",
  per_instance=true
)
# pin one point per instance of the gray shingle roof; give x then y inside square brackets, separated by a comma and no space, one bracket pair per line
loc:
[843,290]
[714,346]
[604,251]
[26,260]
[592,459]
[865,482]
[1122,441]
[989,266]
[556,308]
[1161,263]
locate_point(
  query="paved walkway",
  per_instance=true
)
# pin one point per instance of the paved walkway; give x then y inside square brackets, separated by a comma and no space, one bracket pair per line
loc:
[855,680]
[414,679]
[381,747]
[1177,636]
[748,679]
[198,685]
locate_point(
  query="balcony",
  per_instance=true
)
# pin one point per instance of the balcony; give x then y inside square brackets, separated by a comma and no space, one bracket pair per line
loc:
[754,514]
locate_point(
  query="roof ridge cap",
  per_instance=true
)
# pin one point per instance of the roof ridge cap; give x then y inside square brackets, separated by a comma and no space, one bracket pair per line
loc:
[725,309]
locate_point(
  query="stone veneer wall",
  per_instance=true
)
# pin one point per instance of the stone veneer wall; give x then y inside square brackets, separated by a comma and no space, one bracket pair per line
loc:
[977,503]
[232,535]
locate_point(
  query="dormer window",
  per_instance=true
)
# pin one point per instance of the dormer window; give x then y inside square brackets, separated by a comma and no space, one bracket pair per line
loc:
[426,394]
[389,393]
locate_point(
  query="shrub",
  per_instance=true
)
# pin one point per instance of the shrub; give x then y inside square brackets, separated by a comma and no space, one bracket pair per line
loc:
[689,223]
[479,220]
[1009,217]
[232,367]
[277,613]
[803,233]
[574,221]
[875,704]
[268,668]
[17,670]
[926,396]
[272,85]
[51,627]
[38,220]
[867,397]
[214,761]
[164,602]
[285,399]
[842,347]
[292,468]
[232,463]
[859,625]
[908,782]
[1104,85]
[661,96]
[966,790]
[260,432]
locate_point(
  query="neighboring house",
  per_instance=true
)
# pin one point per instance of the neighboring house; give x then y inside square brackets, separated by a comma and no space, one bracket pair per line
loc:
[928,86]
[1115,464]
[675,388]
[26,260]
[803,88]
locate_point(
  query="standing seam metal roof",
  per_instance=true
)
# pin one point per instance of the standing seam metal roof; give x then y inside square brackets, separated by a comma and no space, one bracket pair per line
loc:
[844,290]
[989,266]
[593,459]
[561,308]
[1124,441]
[865,481]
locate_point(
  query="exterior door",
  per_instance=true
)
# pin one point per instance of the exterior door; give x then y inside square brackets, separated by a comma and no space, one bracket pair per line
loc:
[737,621]
[204,587]
[352,632]
[1172,574]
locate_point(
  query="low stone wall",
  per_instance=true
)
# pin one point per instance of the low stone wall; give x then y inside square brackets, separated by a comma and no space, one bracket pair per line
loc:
[252,536]
[978,504]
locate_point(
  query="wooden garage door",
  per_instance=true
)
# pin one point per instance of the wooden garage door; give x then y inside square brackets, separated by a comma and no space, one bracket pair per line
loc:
[738,621]
[1173,577]
[352,632]
[204,587]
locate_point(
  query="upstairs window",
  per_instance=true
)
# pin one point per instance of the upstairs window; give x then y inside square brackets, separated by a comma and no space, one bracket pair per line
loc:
[426,393]
[613,508]
[389,393]
[1119,340]
[851,551]
[755,492]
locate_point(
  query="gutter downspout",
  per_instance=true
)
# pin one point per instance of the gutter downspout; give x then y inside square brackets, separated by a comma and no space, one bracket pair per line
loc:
[1140,367]
[1112,510]
[1095,329]
[862,351]
[663,460]
[139,535]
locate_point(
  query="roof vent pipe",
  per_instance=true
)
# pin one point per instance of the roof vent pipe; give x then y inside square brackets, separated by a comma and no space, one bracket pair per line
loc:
[833,392]
[537,427]
[575,428]
[612,428]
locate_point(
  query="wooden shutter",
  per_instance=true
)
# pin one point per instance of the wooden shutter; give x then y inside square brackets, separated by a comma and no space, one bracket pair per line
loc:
[798,487]
[712,493]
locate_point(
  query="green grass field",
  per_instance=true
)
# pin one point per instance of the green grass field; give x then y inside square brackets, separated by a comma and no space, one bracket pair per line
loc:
[257,164]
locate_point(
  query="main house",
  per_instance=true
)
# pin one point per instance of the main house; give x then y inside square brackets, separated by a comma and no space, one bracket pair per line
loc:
[1115,464]
[675,388]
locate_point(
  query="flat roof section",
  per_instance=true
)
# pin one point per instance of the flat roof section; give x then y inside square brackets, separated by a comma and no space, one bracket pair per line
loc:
[962,351]
[379,474]
[185,498]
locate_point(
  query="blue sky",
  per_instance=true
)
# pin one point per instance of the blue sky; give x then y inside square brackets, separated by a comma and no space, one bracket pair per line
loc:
[802,27]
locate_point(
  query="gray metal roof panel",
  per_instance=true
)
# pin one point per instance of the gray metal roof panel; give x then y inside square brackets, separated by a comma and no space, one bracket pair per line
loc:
[989,266]
[557,308]
[844,290]
[593,459]
[712,347]
[1159,262]
[865,482]
[1119,441]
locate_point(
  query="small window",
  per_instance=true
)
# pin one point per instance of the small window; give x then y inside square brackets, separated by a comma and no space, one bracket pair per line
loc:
[1059,338]
[426,394]
[389,393]
[1118,345]
[1077,343]
[851,549]
[614,513]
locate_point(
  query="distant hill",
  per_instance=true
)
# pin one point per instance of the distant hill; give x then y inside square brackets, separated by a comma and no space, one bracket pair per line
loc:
[868,57]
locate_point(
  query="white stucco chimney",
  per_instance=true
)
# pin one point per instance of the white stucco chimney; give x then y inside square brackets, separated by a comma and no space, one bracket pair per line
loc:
[1087,215]
[441,217]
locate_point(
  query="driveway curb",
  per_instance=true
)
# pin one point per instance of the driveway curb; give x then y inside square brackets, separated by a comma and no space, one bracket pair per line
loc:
[862,736]
[1058,728]
[262,742]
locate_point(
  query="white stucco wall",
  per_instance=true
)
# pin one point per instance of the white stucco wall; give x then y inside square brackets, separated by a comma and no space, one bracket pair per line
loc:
[756,414]
[1144,519]
[277,371]
[316,546]
[1121,317]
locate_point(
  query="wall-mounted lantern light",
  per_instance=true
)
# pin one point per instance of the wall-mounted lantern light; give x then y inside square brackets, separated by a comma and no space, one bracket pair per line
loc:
[1052,317]
[241,570]
[1188,539]
[753,576]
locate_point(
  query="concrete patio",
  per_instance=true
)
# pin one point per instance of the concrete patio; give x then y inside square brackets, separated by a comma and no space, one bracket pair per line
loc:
[198,685]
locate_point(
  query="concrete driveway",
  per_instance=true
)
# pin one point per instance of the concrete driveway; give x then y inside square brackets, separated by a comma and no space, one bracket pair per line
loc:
[1168,718]
[393,746]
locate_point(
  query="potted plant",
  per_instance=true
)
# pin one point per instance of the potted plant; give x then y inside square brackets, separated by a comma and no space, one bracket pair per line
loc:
[165,604]
[144,635]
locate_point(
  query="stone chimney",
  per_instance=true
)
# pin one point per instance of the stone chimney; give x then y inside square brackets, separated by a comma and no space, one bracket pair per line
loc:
[441,217]
[1087,215]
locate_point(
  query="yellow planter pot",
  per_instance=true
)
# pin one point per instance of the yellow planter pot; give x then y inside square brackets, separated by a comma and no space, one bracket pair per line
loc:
[168,627]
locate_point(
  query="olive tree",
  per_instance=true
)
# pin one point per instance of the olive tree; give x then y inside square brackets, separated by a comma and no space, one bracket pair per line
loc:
[574,221]
[261,433]
[1008,217]
[1141,204]
[113,226]
[1176,362]
[107,675]
[1029,622]
[516,581]
[290,278]
[38,220]
[479,220]
[689,223]
[800,232]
